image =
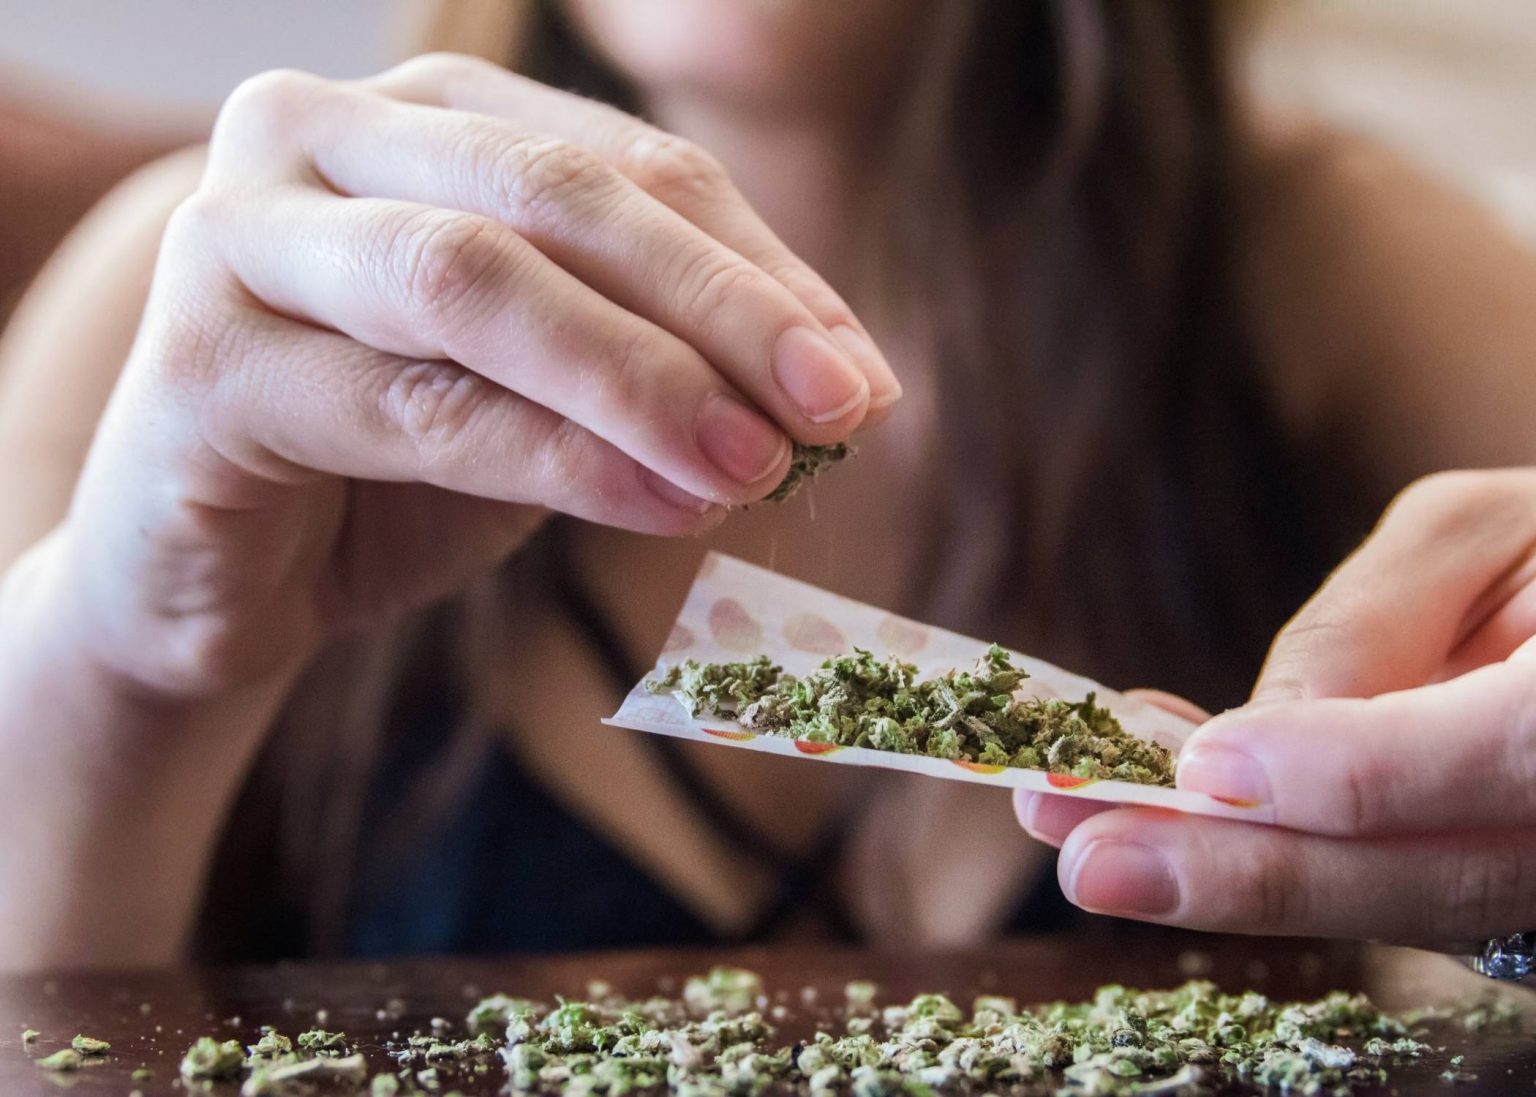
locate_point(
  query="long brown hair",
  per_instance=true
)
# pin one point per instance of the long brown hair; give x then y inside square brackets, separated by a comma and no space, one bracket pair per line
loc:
[1062,215]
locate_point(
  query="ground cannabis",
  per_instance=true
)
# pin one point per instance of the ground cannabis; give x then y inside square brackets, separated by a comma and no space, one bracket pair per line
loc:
[967,716]
[1121,1043]
[805,464]
[89,1045]
[276,1066]
[61,1061]
[212,1060]
[29,1035]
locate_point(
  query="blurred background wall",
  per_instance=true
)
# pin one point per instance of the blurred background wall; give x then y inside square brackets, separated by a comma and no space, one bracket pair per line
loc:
[1450,82]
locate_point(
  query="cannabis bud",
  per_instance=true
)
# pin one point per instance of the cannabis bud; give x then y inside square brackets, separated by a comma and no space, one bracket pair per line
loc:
[806,463]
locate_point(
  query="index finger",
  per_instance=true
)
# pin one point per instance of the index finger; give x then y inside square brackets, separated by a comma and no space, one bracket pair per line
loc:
[1436,571]
[675,172]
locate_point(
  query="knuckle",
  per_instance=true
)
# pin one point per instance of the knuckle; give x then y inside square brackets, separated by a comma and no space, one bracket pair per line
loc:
[1519,757]
[544,175]
[809,288]
[560,453]
[1331,623]
[1474,507]
[1487,890]
[201,217]
[1269,897]
[439,68]
[672,168]
[434,405]
[207,652]
[713,289]
[191,343]
[626,369]
[443,260]
[1448,497]
[263,107]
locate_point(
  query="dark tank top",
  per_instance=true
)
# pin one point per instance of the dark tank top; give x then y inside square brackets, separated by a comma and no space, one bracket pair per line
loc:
[511,869]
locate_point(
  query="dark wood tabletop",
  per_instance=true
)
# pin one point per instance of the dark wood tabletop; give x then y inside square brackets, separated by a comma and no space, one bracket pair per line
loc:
[151,1017]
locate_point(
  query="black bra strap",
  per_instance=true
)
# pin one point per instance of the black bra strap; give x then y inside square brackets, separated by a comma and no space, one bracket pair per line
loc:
[805,881]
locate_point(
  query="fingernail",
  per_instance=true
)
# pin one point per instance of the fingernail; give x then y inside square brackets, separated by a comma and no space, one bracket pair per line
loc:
[1223,772]
[818,377]
[1112,877]
[741,443]
[884,389]
[672,495]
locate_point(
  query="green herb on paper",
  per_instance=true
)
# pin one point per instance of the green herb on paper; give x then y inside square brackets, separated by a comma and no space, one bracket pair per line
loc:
[968,716]
[805,464]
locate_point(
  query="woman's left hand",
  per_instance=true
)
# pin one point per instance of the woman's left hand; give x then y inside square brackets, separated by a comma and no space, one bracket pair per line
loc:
[1391,738]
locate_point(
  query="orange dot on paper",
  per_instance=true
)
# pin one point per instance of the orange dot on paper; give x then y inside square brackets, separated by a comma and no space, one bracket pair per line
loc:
[731,734]
[1067,780]
[805,746]
[902,637]
[733,627]
[808,632]
[980,767]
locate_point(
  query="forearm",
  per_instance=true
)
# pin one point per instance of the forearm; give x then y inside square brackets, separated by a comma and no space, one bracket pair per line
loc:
[110,798]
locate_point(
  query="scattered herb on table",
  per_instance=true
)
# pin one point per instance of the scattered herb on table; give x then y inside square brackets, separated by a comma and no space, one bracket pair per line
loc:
[1121,1042]
[61,1061]
[89,1045]
[805,464]
[276,1078]
[29,1035]
[211,1059]
[317,1041]
[971,716]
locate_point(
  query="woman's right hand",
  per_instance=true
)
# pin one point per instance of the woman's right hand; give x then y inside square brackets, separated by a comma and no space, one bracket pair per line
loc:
[399,322]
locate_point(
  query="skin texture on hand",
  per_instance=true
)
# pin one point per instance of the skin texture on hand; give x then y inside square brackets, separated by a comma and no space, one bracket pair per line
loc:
[1392,736]
[511,301]
[362,379]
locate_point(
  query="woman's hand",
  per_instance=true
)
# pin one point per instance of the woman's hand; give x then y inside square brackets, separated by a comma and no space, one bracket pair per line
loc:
[401,320]
[1392,738]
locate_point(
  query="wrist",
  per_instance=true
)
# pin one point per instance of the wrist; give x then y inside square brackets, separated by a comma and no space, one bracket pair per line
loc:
[78,621]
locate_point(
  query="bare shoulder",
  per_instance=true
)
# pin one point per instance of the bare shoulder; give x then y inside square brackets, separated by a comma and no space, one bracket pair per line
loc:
[1389,305]
[66,343]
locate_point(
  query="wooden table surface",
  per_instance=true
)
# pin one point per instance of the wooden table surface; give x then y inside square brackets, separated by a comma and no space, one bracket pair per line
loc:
[150,1017]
